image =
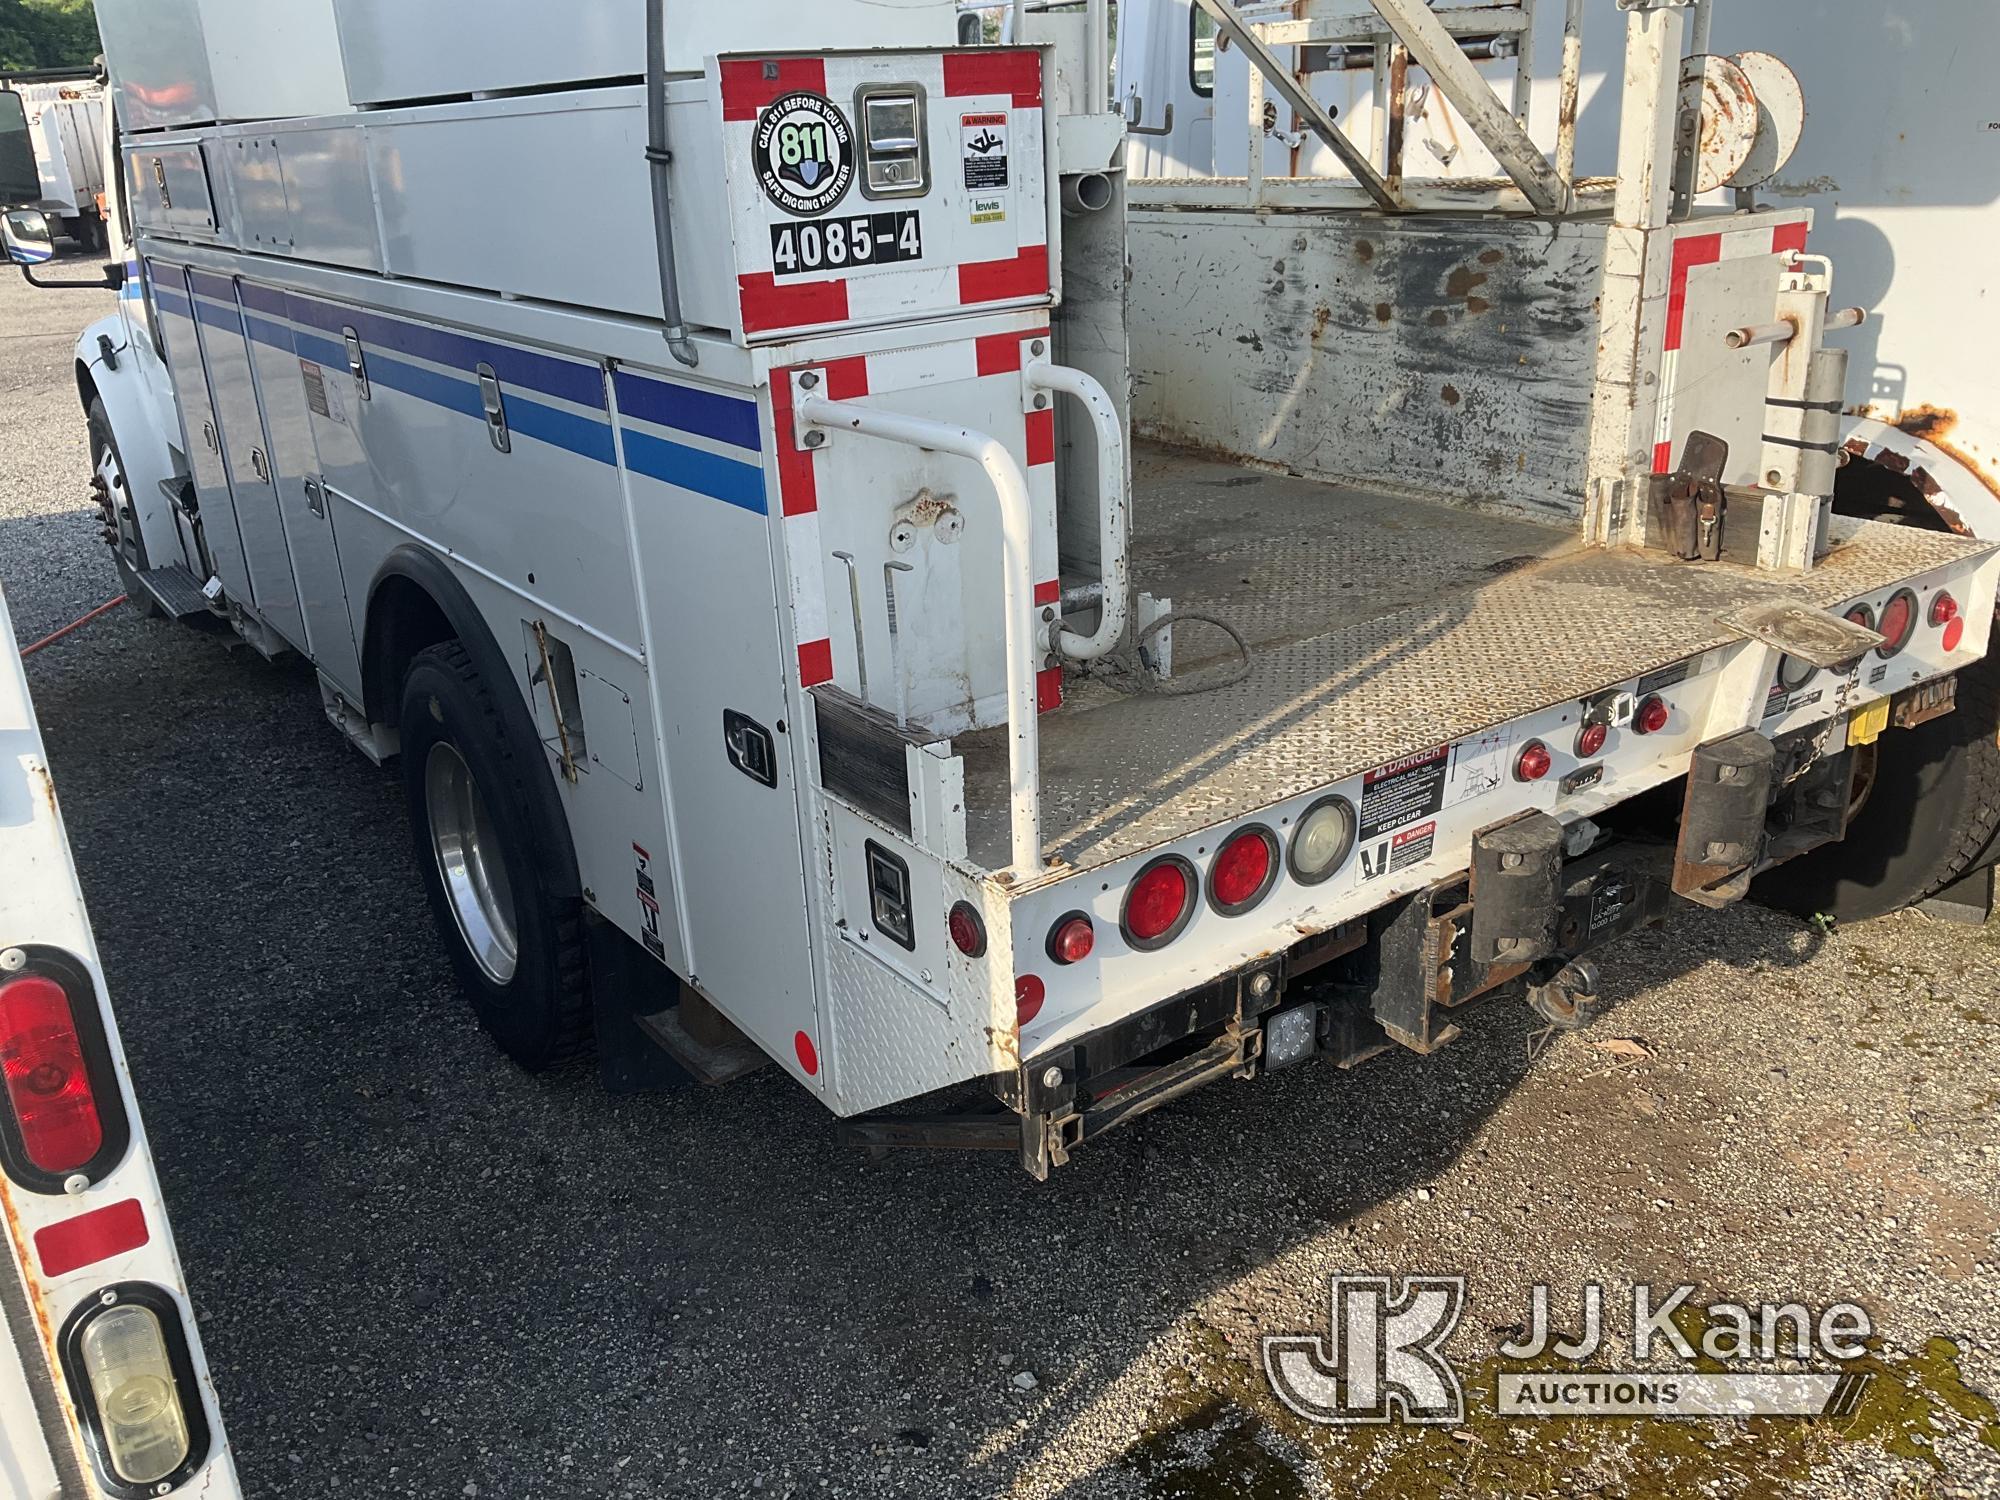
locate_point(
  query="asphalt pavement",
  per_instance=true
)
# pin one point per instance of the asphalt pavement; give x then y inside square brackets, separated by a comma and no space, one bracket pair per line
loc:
[422,1273]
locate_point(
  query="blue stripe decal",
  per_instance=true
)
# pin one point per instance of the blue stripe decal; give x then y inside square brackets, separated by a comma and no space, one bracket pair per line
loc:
[688,409]
[704,413]
[696,469]
[543,373]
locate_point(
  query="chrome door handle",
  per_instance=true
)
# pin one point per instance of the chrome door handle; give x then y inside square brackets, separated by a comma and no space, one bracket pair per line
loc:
[260,465]
[316,497]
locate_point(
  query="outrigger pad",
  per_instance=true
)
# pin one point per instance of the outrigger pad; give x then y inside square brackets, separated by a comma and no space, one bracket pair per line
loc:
[1516,890]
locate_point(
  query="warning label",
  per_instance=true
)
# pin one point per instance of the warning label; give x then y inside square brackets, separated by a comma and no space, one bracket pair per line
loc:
[1403,792]
[1399,851]
[985,151]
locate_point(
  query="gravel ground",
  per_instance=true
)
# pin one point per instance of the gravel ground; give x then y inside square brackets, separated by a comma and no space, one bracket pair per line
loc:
[421,1273]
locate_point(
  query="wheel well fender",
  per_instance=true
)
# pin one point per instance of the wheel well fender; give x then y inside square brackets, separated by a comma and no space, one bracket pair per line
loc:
[1890,472]
[147,450]
[415,601]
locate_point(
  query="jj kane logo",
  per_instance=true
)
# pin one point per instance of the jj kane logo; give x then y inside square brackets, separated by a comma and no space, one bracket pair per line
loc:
[804,154]
[1383,1358]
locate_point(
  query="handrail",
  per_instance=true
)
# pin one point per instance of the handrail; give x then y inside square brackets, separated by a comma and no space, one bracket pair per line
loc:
[1017,532]
[1113,552]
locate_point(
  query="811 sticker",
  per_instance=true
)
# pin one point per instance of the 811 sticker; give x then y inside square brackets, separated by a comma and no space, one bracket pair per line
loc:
[804,153]
[844,244]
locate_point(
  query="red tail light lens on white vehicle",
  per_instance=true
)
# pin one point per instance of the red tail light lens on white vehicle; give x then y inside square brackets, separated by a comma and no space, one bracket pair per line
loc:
[1029,995]
[1072,938]
[126,1358]
[968,932]
[63,1114]
[1159,904]
[1534,762]
[1898,623]
[1590,741]
[1652,715]
[1945,617]
[1245,869]
[48,1085]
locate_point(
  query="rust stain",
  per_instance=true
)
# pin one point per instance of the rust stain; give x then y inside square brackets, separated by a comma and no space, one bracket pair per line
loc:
[1476,305]
[1364,251]
[1007,1042]
[1492,257]
[45,785]
[1463,280]
[1384,312]
[1935,425]
[1451,396]
[1322,315]
[1439,318]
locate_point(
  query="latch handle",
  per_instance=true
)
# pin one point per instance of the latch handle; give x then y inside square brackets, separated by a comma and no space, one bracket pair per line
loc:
[496,409]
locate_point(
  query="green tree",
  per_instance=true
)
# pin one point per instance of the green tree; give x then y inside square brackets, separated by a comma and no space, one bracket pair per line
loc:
[47,34]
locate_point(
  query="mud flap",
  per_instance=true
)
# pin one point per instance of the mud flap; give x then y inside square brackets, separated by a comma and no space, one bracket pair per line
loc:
[1723,818]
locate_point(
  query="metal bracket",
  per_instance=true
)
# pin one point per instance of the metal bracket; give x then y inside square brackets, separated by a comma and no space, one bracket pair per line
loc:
[1281,78]
[1136,111]
[805,436]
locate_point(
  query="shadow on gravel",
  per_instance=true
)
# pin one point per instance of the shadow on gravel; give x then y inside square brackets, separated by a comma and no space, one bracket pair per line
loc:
[420,1272]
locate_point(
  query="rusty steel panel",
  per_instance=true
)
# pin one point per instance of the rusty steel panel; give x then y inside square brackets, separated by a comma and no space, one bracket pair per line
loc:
[1449,358]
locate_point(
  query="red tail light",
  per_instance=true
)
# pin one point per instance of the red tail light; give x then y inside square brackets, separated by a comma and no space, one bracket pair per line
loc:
[1899,622]
[1954,633]
[1071,939]
[1029,993]
[1944,609]
[1159,903]
[1535,762]
[1652,715]
[1245,869]
[968,933]
[48,1081]
[1591,741]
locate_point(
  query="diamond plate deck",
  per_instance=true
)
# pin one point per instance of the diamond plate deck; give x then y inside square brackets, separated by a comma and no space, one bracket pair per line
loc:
[1384,626]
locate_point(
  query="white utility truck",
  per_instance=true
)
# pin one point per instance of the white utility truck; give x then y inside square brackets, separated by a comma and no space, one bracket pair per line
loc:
[790,654]
[104,1393]
[66,115]
[1901,179]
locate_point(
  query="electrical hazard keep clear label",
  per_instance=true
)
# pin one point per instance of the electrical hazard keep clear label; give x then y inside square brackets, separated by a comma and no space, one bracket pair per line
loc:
[1399,807]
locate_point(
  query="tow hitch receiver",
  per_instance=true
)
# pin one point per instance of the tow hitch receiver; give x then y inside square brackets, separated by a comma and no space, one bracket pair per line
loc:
[1723,818]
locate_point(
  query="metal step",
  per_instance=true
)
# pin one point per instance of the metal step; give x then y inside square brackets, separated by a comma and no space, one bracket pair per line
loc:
[174,589]
[711,1062]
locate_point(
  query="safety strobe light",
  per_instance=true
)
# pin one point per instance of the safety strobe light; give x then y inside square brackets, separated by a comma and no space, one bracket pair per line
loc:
[1029,993]
[1323,840]
[49,1090]
[968,932]
[1159,903]
[1899,623]
[1652,715]
[1534,762]
[1590,741]
[127,1363]
[1245,869]
[1072,938]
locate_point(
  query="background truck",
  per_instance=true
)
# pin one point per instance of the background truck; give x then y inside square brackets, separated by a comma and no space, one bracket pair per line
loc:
[791,654]
[1899,179]
[67,127]
[104,1391]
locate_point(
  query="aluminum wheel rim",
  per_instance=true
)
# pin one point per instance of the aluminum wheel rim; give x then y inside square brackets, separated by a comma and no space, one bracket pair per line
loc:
[470,863]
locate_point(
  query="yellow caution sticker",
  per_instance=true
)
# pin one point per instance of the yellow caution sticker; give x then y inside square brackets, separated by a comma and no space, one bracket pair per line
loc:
[1868,722]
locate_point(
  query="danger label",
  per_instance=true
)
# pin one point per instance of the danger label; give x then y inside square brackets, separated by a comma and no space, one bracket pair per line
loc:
[985,151]
[1403,792]
[1399,851]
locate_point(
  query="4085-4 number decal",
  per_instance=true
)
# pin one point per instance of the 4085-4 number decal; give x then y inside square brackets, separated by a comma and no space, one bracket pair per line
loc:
[843,244]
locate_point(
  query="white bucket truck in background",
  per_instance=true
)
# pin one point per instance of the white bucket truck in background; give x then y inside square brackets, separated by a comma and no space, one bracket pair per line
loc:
[790,655]
[67,126]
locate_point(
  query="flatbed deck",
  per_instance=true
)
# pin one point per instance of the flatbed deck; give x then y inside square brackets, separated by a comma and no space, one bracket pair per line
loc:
[1381,626]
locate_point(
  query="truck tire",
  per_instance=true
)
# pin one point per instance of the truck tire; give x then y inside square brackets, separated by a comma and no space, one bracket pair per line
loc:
[106,464]
[517,944]
[1930,816]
